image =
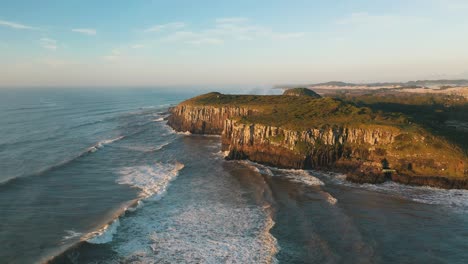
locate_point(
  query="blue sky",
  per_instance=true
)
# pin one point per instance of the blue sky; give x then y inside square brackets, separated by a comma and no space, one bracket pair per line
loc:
[219,43]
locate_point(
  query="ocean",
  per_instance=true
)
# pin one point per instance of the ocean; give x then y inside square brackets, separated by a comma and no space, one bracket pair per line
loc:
[96,176]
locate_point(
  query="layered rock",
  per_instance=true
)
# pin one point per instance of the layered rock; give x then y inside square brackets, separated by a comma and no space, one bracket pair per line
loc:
[204,119]
[312,148]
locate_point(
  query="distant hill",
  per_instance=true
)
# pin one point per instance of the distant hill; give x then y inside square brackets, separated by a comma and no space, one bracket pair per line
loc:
[401,84]
[410,84]
[301,92]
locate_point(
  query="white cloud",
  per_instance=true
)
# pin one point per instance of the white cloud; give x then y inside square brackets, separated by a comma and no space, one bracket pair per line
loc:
[293,35]
[48,43]
[85,31]
[137,46]
[231,20]
[363,18]
[210,41]
[180,36]
[195,38]
[229,29]
[170,26]
[15,25]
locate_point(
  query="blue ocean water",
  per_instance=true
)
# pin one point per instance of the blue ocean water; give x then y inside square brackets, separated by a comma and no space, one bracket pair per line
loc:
[96,176]
[60,152]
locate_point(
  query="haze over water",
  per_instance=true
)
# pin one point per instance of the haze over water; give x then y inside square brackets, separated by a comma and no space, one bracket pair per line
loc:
[91,176]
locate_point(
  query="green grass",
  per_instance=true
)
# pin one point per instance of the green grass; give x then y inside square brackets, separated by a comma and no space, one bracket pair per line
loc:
[300,112]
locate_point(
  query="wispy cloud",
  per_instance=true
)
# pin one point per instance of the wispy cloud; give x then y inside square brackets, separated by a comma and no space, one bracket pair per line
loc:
[233,28]
[210,41]
[85,31]
[48,43]
[288,35]
[363,18]
[232,20]
[168,26]
[15,25]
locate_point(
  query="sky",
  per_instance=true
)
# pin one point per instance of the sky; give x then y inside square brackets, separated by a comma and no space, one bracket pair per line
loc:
[51,43]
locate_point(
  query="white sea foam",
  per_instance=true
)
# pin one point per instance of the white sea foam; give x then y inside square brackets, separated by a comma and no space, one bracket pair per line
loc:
[220,154]
[152,180]
[186,133]
[218,233]
[300,176]
[422,194]
[168,130]
[70,234]
[159,119]
[102,143]
[215,223]
[265,170]
[139,204]
[105,234]
[147,148]
[330,199]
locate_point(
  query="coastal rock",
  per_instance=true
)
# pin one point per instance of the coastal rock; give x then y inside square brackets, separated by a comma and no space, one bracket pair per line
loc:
[204,120]
[366,153]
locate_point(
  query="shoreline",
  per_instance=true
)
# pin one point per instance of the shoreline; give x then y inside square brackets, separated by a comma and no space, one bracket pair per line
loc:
[364,178]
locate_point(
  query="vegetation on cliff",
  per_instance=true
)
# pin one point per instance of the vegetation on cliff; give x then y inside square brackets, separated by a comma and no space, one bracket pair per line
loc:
[300,112]
[332,133]
[301,92]
[440,114]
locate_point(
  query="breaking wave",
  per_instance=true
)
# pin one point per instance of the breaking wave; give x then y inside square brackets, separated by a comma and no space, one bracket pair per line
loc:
[102,143]
[151,180]
[89,150]
[70,234]
[206,231]
[104,234]
[299,176]
[147,148]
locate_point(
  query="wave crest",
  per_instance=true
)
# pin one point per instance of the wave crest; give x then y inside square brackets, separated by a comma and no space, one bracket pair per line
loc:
[152,180]
[102,143]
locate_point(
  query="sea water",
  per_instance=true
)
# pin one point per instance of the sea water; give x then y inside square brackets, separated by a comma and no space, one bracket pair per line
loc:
[98,177]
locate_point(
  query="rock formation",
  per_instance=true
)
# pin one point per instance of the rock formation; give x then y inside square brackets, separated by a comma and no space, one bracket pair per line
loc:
[367,153]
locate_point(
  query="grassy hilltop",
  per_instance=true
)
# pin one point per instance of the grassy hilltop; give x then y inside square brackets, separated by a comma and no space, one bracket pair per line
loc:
[300,112]
[416,151]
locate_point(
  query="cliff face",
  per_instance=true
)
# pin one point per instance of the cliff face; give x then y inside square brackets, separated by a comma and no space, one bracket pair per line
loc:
[204,119]
[367,153]
[312,148]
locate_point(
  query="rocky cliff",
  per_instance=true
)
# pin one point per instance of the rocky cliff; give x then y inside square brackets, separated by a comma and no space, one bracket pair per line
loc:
[367,153]
[204,119]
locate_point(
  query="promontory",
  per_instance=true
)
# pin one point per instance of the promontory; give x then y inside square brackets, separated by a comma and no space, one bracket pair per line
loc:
[302,130]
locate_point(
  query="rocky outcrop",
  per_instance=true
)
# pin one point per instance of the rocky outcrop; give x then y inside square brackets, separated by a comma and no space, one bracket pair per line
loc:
[204,119]
[301,92]
[367,153]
